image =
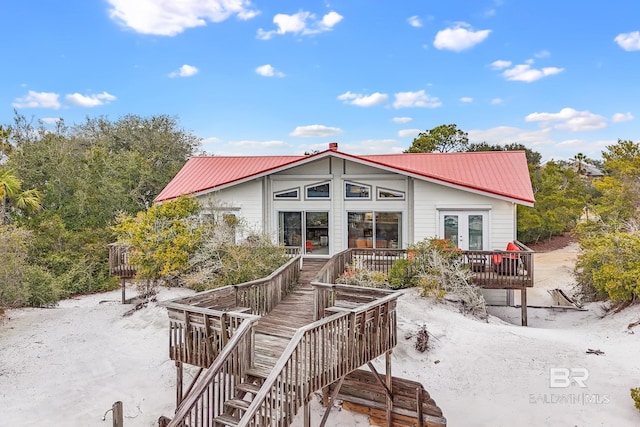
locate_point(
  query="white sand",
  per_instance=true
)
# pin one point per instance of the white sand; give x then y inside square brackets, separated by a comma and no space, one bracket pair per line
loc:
[66,366]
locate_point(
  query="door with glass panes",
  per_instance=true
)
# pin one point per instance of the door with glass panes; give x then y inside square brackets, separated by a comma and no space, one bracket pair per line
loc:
[468,230]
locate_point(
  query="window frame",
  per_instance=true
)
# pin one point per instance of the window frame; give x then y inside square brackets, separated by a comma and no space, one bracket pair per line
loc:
[401,194]
[359,184]
[278,193]
[307,187]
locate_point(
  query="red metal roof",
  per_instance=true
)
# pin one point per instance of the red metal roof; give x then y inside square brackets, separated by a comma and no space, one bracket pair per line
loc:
[502,173]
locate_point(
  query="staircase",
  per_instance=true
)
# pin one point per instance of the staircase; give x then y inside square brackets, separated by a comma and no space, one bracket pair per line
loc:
[270,367]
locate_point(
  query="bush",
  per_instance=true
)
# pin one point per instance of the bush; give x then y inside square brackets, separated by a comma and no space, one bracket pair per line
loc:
[43,289]
[610,264]
[357,275]
[399,274]
[217,264]
[439,268]
[635,395]
[14,244]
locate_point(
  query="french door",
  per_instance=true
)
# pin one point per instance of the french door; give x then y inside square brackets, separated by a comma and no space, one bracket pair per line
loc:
[468,230]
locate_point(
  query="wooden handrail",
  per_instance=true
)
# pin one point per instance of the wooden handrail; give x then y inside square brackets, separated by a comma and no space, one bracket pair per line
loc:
[353,344]
[190,402]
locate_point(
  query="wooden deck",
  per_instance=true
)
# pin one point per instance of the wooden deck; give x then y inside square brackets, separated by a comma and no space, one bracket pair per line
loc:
[264,369]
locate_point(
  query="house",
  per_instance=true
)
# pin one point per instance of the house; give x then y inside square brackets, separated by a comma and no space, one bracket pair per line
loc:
[333,200]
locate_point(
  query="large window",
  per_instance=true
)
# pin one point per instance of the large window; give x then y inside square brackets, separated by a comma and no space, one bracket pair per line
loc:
[375,229]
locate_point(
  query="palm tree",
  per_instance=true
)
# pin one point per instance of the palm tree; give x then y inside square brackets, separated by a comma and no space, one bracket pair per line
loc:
[579,160]
[11,191]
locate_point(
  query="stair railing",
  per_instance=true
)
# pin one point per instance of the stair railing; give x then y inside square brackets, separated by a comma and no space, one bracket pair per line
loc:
[217,384]
[319,354]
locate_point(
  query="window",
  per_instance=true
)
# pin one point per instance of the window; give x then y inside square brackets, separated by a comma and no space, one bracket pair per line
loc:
[357,191]
[384,193]
[318,191]
[287,194]
[375,229]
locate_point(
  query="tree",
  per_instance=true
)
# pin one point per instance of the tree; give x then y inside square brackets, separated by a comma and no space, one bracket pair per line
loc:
[533,157]
[161,238]
[560,200]
[442,139]
[11,193]
[579,161]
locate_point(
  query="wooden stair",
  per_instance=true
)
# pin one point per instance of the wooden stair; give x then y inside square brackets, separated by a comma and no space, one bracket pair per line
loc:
[272,335]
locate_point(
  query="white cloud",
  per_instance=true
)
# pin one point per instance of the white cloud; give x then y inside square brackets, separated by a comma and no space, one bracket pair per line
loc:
[414,21]
[376,146]
[628,41]
[38,100]
[500,64]
[415,99]
[622,117]
[570,119]
[466,99]
[170,17]
[496,101]
[409,132]
[542,54]
[524,73]
[258,144]
[50,120]
[508,134]
[364,100]
[268,71]
[184,71]
[301,23]
[459,37]
[89,100]
[315,131]
[402,119]
[211,140]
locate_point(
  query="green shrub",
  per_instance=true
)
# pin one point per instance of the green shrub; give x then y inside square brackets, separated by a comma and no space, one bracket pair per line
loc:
[610,264]
[43,289]
[217,264]
[14,243]
[635,395]
[399,274]
[357,275]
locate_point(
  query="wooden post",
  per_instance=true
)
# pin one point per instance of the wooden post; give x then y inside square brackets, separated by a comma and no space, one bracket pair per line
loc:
[124,299]
[178,384]
[390,387]
[118,416]
[419,406]
[307,412]
[523,302]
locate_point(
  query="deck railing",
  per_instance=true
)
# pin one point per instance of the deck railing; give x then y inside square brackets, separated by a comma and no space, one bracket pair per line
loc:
[200,325]
[321,353]
[118,261]
[218,383]
[496,269]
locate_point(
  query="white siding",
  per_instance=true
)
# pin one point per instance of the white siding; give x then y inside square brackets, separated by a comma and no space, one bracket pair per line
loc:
[429,198]
[244,200]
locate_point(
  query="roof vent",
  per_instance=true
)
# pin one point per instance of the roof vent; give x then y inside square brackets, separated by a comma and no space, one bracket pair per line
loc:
[333,146]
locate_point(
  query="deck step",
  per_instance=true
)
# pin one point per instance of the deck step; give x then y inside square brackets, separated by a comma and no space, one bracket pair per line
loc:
[248,388]
[259,372]
[238,404]
[227,420]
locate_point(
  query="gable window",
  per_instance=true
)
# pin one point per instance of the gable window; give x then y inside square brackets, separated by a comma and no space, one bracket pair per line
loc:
[292,194]
[384,194]
[317,191]
[357,191]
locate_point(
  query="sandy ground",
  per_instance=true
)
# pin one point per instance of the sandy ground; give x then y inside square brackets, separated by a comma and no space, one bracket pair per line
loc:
[66,366]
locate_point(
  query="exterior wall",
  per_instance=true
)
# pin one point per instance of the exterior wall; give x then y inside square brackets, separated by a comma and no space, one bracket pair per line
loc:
[243,200]
[254,202]
[430,199]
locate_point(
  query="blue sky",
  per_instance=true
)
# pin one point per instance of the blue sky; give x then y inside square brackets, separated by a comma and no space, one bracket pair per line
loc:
[273,77]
